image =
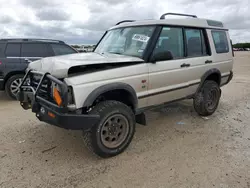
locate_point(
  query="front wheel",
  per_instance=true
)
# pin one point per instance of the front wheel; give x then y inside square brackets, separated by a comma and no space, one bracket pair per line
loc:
[207,99]
[115,130]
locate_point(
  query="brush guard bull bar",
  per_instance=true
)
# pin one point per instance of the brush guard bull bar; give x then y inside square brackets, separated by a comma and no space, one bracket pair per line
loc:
[46,109]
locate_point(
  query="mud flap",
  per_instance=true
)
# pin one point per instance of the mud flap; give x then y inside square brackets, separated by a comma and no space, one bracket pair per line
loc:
[141,119]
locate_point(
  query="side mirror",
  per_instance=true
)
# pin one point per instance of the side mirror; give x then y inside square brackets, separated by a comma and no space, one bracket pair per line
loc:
[162,56]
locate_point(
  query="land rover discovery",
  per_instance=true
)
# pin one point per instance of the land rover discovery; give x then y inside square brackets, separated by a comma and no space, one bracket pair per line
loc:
[136,66]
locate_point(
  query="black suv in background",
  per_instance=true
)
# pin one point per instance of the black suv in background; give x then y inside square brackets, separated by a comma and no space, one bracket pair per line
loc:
[15,55]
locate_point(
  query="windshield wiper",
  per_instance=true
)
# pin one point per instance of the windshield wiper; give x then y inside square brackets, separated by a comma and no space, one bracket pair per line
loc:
[115,53]
[102,53]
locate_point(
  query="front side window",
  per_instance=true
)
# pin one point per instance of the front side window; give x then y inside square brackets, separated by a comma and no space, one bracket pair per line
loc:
[220,41]
[34,50]
[13,50]
[170,39]
[130,41]
[60,49]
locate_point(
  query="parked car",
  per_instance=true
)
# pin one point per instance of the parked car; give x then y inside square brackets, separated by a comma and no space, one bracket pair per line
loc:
[16,54]
[136,66]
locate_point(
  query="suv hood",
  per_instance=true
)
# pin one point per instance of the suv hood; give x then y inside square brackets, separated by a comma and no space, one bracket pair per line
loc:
[59,66]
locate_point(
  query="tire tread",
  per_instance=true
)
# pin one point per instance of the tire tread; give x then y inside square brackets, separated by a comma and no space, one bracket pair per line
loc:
[101,109]
[198,102]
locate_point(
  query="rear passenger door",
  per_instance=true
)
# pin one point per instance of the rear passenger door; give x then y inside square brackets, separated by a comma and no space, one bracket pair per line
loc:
[34,51]
[198,54]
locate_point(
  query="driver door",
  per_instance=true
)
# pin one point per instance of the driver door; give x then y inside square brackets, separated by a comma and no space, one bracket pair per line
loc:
[168,79]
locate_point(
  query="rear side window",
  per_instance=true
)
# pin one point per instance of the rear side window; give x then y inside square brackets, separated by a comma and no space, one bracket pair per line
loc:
[13,50]
[60,49]
[220,41]
[34,50]
[195,42]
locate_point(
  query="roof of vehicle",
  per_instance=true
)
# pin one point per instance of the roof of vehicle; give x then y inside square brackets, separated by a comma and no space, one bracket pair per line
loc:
[190,21]
[31,40]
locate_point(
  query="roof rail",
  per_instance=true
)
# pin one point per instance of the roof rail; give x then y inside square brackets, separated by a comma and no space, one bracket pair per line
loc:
[176,14]
[31,39]
[125,21]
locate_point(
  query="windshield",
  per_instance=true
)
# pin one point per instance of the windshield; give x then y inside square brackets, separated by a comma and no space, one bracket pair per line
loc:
[130,41]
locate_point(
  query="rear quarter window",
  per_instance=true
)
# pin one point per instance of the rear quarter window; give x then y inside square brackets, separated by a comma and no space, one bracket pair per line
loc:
[220,41]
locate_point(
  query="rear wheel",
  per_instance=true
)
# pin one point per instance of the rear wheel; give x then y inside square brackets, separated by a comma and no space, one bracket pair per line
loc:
[12,84]
[207,99]
[115,130]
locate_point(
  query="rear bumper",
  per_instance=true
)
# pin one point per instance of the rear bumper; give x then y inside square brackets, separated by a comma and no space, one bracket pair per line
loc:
[51,113]
[1,84]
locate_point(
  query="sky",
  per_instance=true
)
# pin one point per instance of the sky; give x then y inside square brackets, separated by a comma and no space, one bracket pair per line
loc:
[85,21]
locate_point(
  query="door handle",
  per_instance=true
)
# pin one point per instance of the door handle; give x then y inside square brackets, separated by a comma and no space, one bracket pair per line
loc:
[208,61]
[185,65]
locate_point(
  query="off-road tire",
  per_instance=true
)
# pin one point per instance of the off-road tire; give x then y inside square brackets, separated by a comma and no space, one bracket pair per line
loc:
[202,99]
[8,85]
[105,110]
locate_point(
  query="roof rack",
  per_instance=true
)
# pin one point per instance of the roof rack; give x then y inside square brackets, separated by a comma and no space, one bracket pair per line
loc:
[176,14]
[125,21]
[31,39]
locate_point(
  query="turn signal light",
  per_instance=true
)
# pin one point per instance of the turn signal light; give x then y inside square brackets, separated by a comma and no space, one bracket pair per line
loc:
[57,97]
[51,115]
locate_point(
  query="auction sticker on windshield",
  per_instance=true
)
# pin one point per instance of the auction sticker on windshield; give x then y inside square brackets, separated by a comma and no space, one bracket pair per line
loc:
[141,38]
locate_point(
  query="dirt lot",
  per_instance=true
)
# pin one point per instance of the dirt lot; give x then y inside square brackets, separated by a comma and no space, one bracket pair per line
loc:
[178,148]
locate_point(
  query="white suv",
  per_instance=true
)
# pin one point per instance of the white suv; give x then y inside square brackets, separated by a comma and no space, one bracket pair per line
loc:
[136,66]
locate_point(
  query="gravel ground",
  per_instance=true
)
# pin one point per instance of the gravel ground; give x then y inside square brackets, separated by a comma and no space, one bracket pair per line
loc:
[177,148]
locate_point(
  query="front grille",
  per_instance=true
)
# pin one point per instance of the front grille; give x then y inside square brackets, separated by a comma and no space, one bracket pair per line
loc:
[42,86]
[45,90]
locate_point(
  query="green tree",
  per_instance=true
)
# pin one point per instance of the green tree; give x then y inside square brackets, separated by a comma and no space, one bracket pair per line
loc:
[242,45]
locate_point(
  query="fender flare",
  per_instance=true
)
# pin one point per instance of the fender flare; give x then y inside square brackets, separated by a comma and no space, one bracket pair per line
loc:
[206,75]
[110,87]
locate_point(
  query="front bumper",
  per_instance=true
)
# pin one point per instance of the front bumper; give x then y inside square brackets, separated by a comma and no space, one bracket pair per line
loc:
[48,111]
[65,120]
